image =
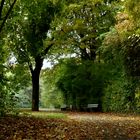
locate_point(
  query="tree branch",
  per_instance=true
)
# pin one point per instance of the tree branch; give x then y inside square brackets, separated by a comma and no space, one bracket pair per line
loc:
[48,48]
[7,15]
[30,67]
[1,7]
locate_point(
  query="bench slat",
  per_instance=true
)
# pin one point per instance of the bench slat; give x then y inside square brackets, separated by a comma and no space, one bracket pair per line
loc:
[92,105]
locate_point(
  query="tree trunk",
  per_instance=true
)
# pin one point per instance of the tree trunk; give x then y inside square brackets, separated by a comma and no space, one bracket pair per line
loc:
[35,82]
[35,78]
[35,90]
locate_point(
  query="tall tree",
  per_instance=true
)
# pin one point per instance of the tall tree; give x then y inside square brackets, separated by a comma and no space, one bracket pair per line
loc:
[6,7]
[84,25]
[32,26]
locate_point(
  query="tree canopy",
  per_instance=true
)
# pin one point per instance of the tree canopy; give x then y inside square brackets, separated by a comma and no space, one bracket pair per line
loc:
[94,46]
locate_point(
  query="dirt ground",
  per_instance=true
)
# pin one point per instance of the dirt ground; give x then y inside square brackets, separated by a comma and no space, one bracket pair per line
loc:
[75,126]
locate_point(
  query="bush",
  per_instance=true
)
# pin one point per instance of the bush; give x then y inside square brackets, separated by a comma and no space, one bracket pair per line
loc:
[7,104]
[82,83]
[8,100]
[119,96]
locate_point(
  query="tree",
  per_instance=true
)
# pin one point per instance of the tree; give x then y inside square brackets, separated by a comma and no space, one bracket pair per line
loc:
[84,27]
[132,9]
[120,49]
[132,42]
[81,83]
[32,26]
[6,8]
[51,96]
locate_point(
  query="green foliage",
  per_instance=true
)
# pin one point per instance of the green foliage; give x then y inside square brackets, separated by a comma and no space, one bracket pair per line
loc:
[82,83]
[13,78]
[24,96]
[30,28]
[50,95]
[87,30]
[137,99]
[10,86]
[6,8]
[5,98]
[131,55]
[81,28]
[120,92]
[8,103]
[133,8]
[19,77]
[120,96]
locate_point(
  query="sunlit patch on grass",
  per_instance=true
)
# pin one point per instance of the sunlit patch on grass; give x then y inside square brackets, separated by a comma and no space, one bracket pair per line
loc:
[49,115]
[43,114]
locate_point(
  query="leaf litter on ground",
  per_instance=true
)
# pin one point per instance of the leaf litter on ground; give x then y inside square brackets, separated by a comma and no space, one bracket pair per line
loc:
[70,126]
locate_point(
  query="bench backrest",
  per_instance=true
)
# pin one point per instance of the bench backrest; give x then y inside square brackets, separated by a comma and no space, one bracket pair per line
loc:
[92,105]
[63,106]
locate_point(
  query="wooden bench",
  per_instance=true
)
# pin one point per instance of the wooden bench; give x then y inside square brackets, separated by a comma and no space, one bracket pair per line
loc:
[92,107]
[65,107]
